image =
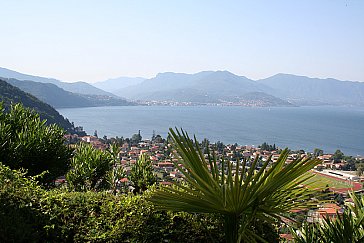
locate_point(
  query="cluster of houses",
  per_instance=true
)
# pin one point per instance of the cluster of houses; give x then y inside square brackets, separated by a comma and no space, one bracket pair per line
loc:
[161,156]
[163,161]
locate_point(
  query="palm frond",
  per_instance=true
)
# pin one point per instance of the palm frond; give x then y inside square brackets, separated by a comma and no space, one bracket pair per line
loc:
[234,190]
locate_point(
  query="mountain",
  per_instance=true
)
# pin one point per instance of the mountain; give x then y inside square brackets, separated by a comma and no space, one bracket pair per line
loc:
[303,90]
[9,93]
[220,87]
[77,87]
[116,84]
[60,98]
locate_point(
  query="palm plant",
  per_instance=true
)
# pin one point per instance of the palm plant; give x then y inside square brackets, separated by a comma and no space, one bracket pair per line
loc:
[239,193]
[346,227]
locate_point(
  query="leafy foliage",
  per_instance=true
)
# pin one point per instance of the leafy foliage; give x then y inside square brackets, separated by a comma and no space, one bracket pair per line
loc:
[89,169]
[347,227]
[239,193]
[141,175]
[27,142]
[338,155]
[21,219]
[117,172]
[268,147]
[30,214]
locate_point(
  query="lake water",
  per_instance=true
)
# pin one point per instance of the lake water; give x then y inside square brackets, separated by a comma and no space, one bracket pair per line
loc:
[328,128]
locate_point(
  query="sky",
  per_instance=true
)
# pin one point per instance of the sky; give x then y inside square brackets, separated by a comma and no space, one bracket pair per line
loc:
[91,41]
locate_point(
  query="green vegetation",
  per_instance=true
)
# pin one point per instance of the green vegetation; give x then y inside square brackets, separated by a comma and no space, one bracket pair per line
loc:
[29,213]
[347,227]
[20,215]
[89,169]
[27,142]
[237,193]
[141,175]
[317,152]
[57,97]
[268,147]
[10,94]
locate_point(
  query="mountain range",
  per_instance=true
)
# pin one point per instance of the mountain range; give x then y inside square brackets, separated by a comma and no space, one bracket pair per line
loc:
[206,87]
[227,88]
[77,87]
[60,94]
[115,85]
[302,90]
[10,94]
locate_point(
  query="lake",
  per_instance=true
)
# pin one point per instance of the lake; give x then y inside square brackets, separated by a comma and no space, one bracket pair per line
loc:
[328,128]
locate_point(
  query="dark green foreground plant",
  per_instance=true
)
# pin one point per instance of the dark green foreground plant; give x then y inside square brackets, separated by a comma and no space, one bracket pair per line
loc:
[239,193]
[29,213]
[27,142]
[347,227]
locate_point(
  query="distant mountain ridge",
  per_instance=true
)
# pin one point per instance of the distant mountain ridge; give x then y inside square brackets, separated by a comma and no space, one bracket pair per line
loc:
[9,94]
[77,87]
[225,87]
[59,98]
[114,85]
[214,87]
[305,90]
[207,87]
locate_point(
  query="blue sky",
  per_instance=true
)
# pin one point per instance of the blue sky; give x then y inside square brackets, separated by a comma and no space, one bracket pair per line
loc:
[96,40]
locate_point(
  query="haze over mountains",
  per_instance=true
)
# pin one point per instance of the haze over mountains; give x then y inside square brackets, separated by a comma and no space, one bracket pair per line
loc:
[60,94]
[310,91]
[207,87]
[114,85]
[225,87]
[77,87]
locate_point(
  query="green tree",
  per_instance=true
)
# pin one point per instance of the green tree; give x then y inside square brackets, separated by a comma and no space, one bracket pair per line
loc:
[317,152]
[136,138]
[338,156]
[220,147]
[359,168]
[27,142]
[89,169]
[205,145]
[141,174]
[239,194]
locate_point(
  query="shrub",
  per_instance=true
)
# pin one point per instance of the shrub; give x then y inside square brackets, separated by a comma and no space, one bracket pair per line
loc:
[103,217]
[21,218]
[89,169]
[27,142]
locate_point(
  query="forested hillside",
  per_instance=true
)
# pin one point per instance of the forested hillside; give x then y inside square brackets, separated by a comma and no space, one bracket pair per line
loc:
[60,98]
[9,94]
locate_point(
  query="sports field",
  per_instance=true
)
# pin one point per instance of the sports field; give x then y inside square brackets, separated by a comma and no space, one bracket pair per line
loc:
[335,184]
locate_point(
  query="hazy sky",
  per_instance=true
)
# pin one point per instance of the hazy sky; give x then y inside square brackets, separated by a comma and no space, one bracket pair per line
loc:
[96,40]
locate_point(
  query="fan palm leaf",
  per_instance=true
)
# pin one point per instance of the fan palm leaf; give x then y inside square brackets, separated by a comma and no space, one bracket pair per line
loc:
[239,192]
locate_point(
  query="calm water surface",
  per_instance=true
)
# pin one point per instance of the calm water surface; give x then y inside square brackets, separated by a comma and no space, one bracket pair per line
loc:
[328,128]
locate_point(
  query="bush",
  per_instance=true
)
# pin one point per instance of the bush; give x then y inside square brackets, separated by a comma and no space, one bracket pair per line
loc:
[21,218]
[29,213]
[89,169]
[27,142]
[103,217]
